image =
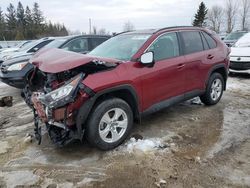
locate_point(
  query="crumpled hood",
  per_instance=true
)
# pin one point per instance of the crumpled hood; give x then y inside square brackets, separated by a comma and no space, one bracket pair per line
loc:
[58,60]
[240,51]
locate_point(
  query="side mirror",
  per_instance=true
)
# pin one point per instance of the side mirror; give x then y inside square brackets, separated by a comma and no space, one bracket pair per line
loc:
[147,58]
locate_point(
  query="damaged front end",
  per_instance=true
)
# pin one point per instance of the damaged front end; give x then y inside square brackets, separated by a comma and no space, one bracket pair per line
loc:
[57,109]
[56,100]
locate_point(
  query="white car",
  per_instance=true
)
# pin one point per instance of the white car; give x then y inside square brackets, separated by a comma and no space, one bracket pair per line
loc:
[240,55]
[16,48]
[27,50]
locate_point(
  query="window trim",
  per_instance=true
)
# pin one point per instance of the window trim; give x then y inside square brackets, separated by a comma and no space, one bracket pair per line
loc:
[207,41]
[178,40]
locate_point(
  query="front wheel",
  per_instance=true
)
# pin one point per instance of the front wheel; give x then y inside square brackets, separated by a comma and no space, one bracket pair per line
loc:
[214,90]
[109,124]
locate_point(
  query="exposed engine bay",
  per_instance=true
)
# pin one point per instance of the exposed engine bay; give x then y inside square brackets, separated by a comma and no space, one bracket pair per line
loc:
[57,97]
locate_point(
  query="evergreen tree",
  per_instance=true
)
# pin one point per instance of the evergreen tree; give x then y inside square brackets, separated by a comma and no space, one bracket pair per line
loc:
[200,16]
[29,34]
[38,19]
[2,25]
[11,22]
[21,23]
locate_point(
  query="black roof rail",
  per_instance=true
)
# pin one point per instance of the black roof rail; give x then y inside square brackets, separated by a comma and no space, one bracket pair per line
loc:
[123,32]
[176,27]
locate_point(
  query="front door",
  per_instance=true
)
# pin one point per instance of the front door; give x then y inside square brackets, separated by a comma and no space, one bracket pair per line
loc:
[166,79]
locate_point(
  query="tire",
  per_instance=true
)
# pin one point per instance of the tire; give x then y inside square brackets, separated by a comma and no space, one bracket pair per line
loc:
[104,130]
[213,96]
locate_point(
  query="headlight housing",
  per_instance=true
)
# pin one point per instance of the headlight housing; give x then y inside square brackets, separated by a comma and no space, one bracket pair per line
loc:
[17,66]
[62,95]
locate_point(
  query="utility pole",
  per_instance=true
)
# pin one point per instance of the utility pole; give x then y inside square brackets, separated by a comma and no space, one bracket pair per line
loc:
[90,26]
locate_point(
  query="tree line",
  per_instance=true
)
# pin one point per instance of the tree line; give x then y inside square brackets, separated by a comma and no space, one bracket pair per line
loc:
[234,14]
[24,23]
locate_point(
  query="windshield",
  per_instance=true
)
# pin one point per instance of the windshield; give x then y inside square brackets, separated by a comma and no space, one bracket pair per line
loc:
[56,43]
[21,45]
[121,47]
[235,36]
[28,46]
[243,41]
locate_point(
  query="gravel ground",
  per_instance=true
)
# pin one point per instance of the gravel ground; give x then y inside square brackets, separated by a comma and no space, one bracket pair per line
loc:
[186,145]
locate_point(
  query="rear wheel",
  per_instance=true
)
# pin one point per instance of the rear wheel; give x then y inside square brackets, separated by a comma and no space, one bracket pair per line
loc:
[109,124]
[214,90]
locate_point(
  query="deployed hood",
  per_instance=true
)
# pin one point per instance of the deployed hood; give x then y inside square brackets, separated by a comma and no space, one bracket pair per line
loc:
[240,51]
[57,60]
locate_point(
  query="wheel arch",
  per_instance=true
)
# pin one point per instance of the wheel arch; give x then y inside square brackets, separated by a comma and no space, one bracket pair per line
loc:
[125,92]
[221,69]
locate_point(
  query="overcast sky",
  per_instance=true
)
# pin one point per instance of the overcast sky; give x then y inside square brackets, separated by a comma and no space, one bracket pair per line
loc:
[112,14]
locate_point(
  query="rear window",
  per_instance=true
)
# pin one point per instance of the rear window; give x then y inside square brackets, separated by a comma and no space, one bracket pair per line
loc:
[192,42]
[211,42]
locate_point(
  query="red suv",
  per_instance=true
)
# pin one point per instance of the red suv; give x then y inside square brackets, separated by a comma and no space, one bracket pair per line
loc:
[101,94]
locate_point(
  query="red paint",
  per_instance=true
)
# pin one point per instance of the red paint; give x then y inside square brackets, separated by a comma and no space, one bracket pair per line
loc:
[166,79]
[58,60]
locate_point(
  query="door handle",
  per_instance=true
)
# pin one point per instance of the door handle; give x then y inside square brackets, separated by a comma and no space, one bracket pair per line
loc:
[210,56]
[180,66]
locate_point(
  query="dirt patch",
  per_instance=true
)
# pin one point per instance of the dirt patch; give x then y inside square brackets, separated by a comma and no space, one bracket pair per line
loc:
[187,145]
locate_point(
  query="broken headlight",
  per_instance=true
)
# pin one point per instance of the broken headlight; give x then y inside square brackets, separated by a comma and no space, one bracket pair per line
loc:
[62,95]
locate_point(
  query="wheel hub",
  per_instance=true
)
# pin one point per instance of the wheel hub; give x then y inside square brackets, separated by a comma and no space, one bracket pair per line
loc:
[113,125]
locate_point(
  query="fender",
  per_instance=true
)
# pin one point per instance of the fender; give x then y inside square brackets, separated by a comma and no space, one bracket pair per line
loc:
[221,65]
[87,106]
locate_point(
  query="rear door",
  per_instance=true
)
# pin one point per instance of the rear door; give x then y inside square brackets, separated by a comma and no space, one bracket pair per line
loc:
[166,78]
[195,58]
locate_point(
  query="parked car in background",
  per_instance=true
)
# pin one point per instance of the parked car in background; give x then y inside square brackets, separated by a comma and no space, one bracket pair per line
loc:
[240,55]
[16,48]
[15,72]
[1,48]
[99,95]
[27,50]
[233,37]
[222,36]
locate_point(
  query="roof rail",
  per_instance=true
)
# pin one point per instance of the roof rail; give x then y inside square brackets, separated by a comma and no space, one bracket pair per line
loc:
[123,32]
[175,27]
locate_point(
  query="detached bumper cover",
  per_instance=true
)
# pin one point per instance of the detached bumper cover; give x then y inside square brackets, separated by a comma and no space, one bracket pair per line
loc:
[16,78]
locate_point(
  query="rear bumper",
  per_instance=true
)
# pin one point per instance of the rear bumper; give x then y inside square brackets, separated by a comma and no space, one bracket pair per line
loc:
[16,78]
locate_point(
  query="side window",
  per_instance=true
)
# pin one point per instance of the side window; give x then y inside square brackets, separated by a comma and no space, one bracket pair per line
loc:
[165,47]
[192,42]
[96,42]
[210,40]
[205,44]
[40,45]
[77,45]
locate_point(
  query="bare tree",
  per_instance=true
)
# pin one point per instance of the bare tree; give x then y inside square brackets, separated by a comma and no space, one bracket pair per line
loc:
[94,30]
[244,13]
[215,18]
[102,31]
[231,11]
[128,26]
